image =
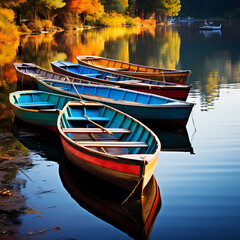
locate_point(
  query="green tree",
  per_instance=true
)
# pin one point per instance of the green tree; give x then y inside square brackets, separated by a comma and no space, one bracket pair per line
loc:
[118,6]
[164,8]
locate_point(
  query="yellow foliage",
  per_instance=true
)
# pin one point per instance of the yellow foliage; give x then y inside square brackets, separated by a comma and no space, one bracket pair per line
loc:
[8,52]
[8,31]
[6,14]
[114,19]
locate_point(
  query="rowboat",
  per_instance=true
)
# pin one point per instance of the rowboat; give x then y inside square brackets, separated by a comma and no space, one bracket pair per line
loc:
[108,144]
[134,217]
[165,89]
[28,72]
[38,108]
[137,104]
[208,26]
[111,65]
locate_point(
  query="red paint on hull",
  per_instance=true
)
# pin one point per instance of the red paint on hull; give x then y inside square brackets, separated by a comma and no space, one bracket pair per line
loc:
[176,94]
[131,169]
[153,212]
[180,94]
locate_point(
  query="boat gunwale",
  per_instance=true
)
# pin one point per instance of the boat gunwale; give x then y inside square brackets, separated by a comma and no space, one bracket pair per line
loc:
[79,58]
[120,102]
[78,75]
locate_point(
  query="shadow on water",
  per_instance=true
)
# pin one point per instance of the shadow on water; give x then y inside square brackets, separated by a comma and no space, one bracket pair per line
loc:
[45,143]
[172,139]
[135,216]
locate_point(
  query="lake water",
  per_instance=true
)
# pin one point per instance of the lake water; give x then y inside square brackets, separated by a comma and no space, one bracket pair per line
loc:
[198,171]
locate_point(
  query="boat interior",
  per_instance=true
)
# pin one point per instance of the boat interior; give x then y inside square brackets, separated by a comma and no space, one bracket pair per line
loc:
[104,129]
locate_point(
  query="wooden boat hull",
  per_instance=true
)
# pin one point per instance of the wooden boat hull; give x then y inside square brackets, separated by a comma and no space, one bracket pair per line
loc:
[161,74]
[27,73]
[123,166]
[45,114]
[135,216]
[164,110]
[165,89]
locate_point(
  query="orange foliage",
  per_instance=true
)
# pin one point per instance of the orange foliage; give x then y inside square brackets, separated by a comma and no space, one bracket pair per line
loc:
[11,3]
[80,6]
[9,73]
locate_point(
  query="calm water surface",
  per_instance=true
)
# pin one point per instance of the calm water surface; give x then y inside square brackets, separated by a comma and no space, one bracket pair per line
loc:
[200,192]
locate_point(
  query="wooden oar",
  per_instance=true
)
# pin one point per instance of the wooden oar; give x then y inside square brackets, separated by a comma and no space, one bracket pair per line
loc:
[80,97]
[82,102]
[103,128]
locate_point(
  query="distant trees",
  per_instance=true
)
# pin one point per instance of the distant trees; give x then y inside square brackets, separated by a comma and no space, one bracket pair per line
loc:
[213,8]
[118,6]
[44,14]
[160,8]
[165,8]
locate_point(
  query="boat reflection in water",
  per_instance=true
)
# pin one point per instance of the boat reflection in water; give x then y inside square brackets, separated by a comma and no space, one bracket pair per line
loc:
[212,33]
[45,143]
[172,139]
[134,215]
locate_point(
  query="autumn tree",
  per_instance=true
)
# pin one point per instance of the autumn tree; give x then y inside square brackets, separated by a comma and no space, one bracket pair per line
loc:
[164,8]
[83,8]
[115,5]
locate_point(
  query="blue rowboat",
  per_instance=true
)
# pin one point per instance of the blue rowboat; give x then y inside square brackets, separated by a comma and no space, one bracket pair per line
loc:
[38,108]
[165,89]
[108,144]
[139,105]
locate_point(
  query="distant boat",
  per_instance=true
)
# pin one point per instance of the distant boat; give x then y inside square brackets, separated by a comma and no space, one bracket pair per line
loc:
[111,65]
[210,26]
[38,108]
[135,216]
[165,89]
[109,144]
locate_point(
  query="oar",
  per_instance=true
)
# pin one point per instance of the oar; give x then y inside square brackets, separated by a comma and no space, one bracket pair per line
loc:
[80,97]
[98,125]
[103,128]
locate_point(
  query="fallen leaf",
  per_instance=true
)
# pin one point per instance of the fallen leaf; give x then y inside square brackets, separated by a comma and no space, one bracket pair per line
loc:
[32,210]
[4,232]
[31,233]
[41,231]
[56,228]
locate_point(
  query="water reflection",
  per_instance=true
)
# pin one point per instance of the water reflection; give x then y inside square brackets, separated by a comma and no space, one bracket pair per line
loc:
[174,140]
[211,33]
[45,143]
[135,216]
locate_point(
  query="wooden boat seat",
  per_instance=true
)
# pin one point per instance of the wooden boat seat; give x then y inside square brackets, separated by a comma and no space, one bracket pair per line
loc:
[130,81]
[112,144]
[139,157]
[92,75]
[111,77]
[95,130]
[35,104]
[61,87]
[95,119]
[116,69]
